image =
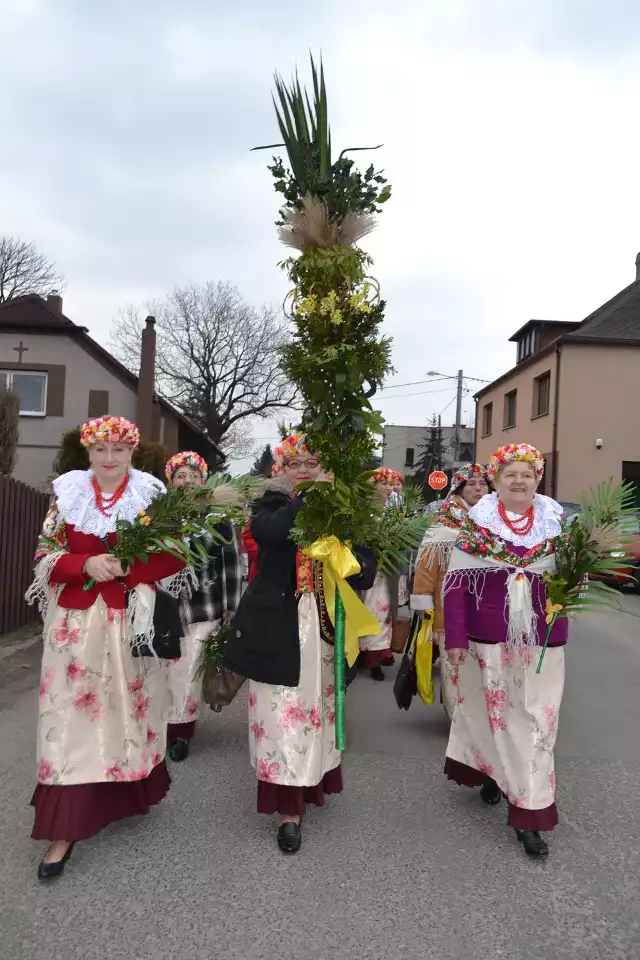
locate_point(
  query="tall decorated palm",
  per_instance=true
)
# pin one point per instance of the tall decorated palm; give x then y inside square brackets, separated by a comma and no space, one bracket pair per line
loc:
[337,357]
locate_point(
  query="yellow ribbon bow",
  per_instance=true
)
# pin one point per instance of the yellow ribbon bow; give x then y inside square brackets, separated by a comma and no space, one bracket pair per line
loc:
[338,563]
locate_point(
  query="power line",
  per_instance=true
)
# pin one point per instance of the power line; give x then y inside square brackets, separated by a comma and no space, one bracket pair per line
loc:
[413,383]
[419,393]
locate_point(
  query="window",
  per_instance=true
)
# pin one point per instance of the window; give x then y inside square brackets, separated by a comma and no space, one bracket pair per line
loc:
[98,403]
[487,419]
[527,345]
[31,388]
[541,395]
[409,457]
[510,404]
[466,453]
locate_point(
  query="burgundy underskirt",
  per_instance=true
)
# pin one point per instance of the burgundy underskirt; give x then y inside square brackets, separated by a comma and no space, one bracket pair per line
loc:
[376,658]
[290,801]
[519,817]
[181,731]
[80,811]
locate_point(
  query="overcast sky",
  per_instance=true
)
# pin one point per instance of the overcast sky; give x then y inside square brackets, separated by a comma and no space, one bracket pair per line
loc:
[510,137]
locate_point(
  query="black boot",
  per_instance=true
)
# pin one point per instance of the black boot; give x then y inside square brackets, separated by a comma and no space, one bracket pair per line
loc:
[289,837]
[534,845]
[377,673]
[491,793]
[53,869]
[178,750]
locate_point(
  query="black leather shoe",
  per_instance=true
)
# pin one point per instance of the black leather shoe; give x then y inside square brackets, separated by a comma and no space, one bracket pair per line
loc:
[289,837]
[491,793]
[377,673]
[178,750]
[49,871]
[534,845]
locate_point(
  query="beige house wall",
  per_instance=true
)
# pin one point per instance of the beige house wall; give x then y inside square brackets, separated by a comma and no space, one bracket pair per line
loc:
[40,436]
[528,429]
[598,401]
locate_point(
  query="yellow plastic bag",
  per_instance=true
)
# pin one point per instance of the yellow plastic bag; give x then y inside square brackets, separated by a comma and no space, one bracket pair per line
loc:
[424,659]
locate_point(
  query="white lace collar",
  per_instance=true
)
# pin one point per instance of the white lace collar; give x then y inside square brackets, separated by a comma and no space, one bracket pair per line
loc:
[77,505]
[546,523]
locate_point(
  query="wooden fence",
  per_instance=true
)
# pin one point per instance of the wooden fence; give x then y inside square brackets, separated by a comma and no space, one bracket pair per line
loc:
[22,510]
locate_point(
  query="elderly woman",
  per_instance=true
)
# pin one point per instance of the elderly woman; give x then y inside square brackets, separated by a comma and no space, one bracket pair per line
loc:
[102,722]
[506,719]
[387,593]
[281,639]
[203,610]
[469,485]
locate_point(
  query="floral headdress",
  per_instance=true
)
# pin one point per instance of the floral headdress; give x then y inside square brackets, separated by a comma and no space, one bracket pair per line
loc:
[109,430]
[188,458]
[516,451]
[387,475]
[465,474]
[292,446]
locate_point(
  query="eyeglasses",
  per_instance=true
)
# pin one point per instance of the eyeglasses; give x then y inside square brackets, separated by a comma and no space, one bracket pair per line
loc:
[312,463]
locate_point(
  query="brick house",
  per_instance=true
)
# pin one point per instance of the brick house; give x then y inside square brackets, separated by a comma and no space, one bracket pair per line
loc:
[62,377]
[573,394]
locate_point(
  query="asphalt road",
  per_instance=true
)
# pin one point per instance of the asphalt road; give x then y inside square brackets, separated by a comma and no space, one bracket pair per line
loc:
[403,864]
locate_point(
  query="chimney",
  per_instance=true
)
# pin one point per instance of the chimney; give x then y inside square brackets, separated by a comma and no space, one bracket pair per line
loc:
[638,267]
[146,380]
[54,301]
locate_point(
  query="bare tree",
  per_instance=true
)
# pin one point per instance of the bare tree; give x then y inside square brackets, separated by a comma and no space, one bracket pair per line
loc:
[23,270]
[218,359]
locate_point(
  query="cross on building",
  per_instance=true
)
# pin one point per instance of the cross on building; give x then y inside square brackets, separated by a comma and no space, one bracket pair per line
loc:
[20,349]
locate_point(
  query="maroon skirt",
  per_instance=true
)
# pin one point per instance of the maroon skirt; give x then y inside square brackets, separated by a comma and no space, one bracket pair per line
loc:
[181,731]
[290,801]
[377,658]
[79,811]
[519,817]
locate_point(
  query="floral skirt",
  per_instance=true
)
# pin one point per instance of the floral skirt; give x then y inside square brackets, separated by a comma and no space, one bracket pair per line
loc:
[186,691]
[292,729]
[378,601]
[504,728]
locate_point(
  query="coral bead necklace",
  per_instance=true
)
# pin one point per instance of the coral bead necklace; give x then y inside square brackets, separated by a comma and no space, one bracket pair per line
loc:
[522,525]
[106,509]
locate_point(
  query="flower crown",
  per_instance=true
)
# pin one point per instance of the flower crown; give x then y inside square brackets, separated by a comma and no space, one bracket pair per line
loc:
[516,451]
[292,446]
[188,458]
[465,474]
[387,475]
[109,430]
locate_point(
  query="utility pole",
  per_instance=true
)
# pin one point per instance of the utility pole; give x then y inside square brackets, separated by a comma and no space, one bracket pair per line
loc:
[457,441]
[457,438]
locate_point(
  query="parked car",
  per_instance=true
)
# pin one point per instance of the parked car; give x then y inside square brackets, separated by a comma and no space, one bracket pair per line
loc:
[628,575]
[571,510]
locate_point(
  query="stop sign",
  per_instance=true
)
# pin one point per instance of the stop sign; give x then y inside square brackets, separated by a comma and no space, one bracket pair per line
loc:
[438,480]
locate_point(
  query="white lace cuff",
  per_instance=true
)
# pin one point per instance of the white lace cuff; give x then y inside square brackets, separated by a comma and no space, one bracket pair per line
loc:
[421,602]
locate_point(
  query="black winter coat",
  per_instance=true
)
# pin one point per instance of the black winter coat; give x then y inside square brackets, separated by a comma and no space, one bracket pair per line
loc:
[264,643]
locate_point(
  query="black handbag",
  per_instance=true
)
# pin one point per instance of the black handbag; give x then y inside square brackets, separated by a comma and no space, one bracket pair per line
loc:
[167,629]
[405,686]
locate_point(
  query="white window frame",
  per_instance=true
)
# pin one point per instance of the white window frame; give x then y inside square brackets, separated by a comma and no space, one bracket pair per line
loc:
[29,373]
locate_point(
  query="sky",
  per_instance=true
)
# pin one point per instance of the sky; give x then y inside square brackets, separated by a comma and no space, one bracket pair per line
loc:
[510,138]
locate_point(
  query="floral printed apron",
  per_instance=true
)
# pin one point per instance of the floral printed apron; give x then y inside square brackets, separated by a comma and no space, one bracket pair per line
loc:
[505,720]
[292,729]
